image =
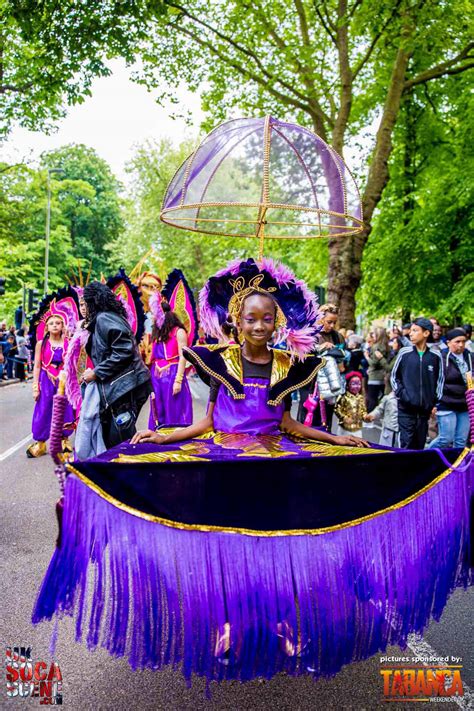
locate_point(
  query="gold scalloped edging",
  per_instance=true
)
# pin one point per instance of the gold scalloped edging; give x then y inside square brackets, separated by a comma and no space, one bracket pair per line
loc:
[263,534]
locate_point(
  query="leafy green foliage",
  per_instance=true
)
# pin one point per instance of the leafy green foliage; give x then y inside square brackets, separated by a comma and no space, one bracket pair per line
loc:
[89,202]
[85,217]
[420,253]
[22,235]
[50,52]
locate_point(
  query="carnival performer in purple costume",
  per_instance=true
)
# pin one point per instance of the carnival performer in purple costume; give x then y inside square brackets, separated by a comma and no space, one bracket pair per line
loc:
[49,362]
[261,406]
[252,409]
[173,402]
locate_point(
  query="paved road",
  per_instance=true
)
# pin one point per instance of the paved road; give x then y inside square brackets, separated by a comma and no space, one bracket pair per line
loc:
[97,681]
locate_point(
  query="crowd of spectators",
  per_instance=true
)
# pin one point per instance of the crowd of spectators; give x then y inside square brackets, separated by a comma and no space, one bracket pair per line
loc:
[414,380]
[15,353]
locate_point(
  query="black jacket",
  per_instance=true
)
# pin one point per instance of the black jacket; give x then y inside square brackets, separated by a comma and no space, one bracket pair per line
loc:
[454,391]
[417,382]
[117,362]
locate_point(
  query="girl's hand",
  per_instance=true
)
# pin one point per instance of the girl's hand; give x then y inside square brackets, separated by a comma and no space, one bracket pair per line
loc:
[350,441]
[378,355]
[176,388]
[369,418]
[147,436]
[36,391]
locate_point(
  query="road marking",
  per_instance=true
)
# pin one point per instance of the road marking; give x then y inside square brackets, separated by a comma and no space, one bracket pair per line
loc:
[15,448]
[421,648]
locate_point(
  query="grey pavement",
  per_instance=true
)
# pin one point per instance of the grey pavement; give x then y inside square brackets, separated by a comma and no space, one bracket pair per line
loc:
[98,681]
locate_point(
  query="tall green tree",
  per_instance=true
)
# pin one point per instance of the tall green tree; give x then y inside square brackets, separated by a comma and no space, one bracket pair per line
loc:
[333,65]
[419,257]
[22,235]
[89,201]
[85,218]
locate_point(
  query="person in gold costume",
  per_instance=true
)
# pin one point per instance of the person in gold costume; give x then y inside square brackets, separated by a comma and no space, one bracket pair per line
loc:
[350,408]
[148,283]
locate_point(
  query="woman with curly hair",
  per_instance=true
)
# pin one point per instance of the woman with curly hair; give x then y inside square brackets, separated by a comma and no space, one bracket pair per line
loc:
[122,378]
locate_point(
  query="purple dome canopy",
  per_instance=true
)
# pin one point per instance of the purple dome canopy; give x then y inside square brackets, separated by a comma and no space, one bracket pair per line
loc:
[264,177]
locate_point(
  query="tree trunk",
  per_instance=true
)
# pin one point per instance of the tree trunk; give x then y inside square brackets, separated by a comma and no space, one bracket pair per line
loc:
[345,253]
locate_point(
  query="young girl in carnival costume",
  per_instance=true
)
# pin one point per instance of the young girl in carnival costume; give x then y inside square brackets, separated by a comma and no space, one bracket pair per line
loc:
[175,325]
[251,384]
[350,407]
[52,327]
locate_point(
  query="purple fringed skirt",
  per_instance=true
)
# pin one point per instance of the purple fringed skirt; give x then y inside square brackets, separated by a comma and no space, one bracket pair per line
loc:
[278,544]
[42,414]
[170,409]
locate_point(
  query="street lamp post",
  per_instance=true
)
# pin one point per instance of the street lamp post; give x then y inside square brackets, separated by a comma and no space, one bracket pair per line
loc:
[48,226]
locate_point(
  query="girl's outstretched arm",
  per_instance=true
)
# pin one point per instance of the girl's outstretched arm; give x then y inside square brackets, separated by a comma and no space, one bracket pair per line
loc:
[291,426]
[37,370]
[194,430]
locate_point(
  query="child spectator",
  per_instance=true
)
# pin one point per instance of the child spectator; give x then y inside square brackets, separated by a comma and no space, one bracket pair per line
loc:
[10,359]
[387,412]
[417,381]
[350,408]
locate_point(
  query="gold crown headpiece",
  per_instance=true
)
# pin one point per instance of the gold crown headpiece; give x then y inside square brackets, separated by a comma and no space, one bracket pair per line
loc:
[241,291]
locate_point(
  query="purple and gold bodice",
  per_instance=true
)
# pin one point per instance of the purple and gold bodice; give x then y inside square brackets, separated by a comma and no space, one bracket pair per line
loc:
[249,405]
[52,359]
[252,415]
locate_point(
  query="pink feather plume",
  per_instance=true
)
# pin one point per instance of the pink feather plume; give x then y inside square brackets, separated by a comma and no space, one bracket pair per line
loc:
[156,309]
[71,360]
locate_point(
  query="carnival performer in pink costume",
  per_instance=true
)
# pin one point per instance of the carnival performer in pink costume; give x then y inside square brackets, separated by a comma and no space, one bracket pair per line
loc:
[51,346]
[175,328]
[173,403]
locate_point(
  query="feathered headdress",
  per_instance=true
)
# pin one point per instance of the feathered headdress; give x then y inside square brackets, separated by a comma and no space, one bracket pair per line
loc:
[297,306]
[63,303]
[180,298]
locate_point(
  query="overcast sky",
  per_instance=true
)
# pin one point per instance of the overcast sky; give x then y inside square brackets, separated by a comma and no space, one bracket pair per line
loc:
[118,115]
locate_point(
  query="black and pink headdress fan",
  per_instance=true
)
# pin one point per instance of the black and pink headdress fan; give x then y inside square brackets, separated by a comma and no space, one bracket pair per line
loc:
[63,303]
[179,295]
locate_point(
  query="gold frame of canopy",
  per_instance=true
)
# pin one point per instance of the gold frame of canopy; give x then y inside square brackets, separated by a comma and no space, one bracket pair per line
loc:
[203,224]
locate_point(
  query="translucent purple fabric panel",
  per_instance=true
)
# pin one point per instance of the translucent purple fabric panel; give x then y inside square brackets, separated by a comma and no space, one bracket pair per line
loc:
[249,172]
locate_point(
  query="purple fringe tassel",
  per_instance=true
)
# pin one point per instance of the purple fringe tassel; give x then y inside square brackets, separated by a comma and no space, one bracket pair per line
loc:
[160,595]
